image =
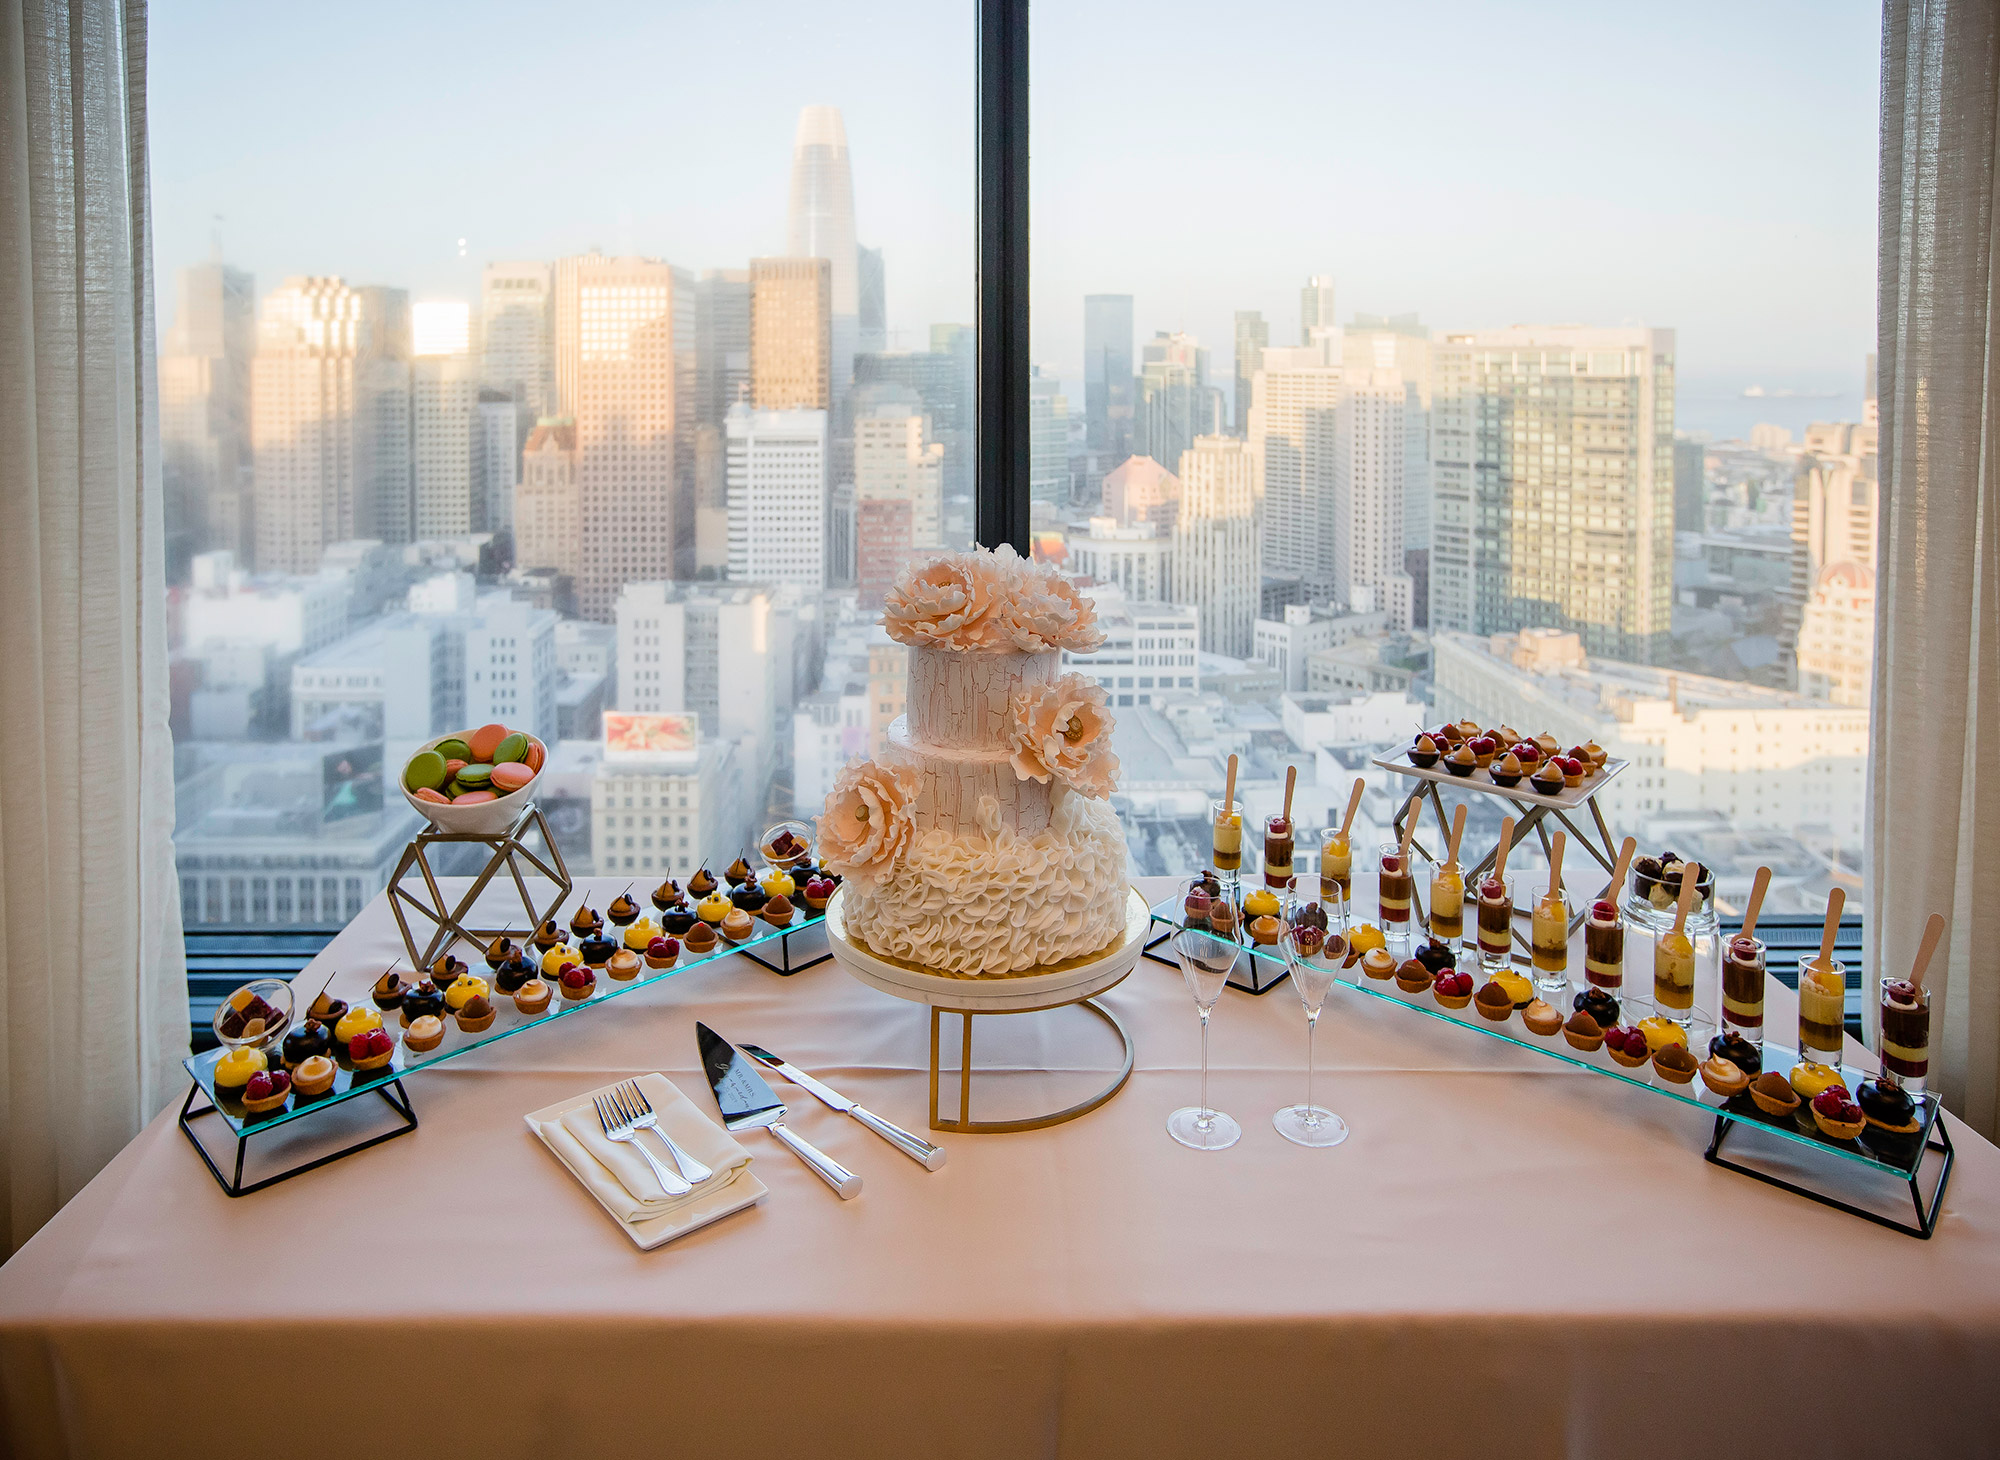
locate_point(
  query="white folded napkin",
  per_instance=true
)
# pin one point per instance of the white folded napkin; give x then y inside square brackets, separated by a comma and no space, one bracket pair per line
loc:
[618,1176]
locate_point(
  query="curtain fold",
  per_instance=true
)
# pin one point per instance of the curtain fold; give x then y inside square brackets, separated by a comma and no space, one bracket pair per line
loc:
[92,984]
[1934,790]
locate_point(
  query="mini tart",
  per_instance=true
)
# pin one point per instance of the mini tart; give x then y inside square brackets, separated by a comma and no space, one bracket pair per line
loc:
[737,925]
[700,939]
[1493,1001]
[577,983]
[1506,771]
[1724,1076]
[701,884]
[656,959]
[585,922]
[1833,1112]
[426,1032]
[280,1090]
[1888,1107]
[1461,762]
[475,1015]
[446,970]
[1483,758]
[1453,990]
[1433,955]
[597,951]
[713,908]
[778,911]
[816,900]
[327,1011]
[556,957]
[354,1022]
[510,975]
[1661,1032]
[639,934]
[1743,1053]
[1810,1078]
[622,909]
[547,936]
[499,951]
[1600,1005]
[1630,1059]
[421,1000]
[1571,782]
[777,882]
[1265,930]
[532,997]
[388,991]
[1674,1062]
[1774,1094]
[676,921]
[1412,977]
[1542,1018]
[1377,963]
[750,897]
[303,1043]
[1547,780]
[314,1076]
[1584,1032]
[738,872]
[1424,753]
[1518,988]
[234,1069]
[624,965]
[666,895]
[1261,903]
[463,991]
[372,1050]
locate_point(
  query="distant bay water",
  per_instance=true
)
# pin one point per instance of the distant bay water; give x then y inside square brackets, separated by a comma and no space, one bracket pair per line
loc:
[1727,405]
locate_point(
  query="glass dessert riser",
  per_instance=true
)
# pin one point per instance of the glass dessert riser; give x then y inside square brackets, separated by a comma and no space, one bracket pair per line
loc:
[1899,1158]
[771,947]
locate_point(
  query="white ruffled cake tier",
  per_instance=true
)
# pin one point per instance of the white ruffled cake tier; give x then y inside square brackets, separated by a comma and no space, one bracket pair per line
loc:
[990,902]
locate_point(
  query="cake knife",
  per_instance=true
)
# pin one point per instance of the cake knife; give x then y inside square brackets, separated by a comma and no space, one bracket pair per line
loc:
[747,1102]
[918,1149]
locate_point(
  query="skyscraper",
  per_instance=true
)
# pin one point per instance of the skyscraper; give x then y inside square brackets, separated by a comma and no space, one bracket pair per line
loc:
[1176,402]
[722,379]
[444,409]
[1048,437]
[1552,484]
[1252,335]
[547,533]
[820,225]
[790,350]
[1293,428]
[204,383]
[1402,343]
[330,420]
[621,375]
[1216,562]
[1107,374]
[1316,317]
[517,336]
[1141,491]
[1367,536]
[777,496]
[873,330]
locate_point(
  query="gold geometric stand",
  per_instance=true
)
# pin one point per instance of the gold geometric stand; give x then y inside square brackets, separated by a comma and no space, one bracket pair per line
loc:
[966,1124]
[448,923]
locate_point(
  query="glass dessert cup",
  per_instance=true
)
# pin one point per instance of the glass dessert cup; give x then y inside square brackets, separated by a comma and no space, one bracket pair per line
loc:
[1496,923]
[1550,939]
[1673,976]
[1314,964]
[1906,1034]
[1447,913]
[1205,963]
[1743,987]
[1336,873]
[791,854]
[1225,820]
[256,1016]
[1278,841]
[1394,893]
[1652,897]
[1604,948]
[1822,1010]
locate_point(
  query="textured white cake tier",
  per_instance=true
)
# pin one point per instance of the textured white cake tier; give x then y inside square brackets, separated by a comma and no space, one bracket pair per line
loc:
[951,782]
[984,900]
[963,700]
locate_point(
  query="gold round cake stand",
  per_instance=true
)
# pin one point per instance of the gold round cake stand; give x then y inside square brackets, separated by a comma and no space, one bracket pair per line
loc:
[1057,986]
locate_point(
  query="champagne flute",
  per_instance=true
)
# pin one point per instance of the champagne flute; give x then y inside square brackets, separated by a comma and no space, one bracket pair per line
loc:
[1205,963]
[1314,960]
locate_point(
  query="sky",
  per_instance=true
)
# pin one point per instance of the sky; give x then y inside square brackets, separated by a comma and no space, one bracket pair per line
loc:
[1707,167]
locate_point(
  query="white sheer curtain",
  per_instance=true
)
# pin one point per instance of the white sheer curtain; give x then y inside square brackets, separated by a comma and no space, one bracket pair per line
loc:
[1934,777]
[93,1007]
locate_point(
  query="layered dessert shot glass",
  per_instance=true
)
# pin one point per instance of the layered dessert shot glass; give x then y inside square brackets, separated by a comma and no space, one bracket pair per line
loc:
[1395,891]
[1336,873]
[1906,1032]
[1550,939]
[1673,976]
[1226,819]
[1278,853]
[1604,947]
[1822,1009]
[1496,924]
[1448,906]
[1743,987]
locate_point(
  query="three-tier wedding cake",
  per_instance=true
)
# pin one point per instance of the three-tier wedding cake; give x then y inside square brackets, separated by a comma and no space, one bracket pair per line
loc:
[983,843]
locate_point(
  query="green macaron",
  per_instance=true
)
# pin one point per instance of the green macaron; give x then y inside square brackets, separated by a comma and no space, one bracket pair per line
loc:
[425,772]
[514,747]
[454,749]
[474,777]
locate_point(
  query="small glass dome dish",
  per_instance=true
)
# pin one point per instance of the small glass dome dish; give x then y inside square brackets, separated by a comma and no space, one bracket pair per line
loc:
[256,1016]
[785,845]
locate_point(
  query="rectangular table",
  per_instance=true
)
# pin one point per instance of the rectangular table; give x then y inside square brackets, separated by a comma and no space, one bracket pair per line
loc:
[1505,1258]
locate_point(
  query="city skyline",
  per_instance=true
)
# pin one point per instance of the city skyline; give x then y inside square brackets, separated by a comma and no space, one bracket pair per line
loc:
[1732,217]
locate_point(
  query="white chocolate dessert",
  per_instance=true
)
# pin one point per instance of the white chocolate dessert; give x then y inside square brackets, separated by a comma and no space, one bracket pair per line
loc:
[984,844]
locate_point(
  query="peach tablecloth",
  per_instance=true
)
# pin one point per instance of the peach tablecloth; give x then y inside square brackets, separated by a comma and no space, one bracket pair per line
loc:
[1506,1258]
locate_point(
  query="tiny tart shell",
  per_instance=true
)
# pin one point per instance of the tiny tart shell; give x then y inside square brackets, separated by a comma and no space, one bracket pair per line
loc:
[1774,1094]
[1674,1063]
[1840,1130]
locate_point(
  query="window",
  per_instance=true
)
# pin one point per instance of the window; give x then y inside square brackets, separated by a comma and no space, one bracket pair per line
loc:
[1645,515]
[651,401]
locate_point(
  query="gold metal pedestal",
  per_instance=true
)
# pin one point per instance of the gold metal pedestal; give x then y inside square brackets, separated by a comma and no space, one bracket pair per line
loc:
[447,922]
[965,1124]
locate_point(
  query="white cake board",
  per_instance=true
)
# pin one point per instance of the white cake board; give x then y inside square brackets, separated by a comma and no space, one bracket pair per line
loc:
[1014,994]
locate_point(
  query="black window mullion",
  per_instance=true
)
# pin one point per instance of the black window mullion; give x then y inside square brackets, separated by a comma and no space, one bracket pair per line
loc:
[1000,497]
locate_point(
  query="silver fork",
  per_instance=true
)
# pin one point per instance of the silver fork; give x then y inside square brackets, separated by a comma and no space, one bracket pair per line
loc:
[617,1128]
[640,1112]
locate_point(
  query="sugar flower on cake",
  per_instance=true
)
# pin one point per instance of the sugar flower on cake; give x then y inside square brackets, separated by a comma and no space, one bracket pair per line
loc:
[947,602]
[866,826]
[1062,730]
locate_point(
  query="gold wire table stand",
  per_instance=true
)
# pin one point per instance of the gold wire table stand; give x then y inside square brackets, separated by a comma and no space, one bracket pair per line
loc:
[965,1124]
[449,922]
